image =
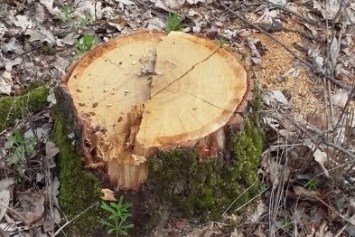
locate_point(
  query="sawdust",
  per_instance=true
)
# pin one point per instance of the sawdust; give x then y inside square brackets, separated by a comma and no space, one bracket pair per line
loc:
[305,93]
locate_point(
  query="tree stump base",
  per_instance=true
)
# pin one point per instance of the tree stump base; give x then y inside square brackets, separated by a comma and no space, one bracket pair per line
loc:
[166,111]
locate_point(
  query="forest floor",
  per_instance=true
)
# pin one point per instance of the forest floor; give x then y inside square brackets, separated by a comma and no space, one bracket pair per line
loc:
[302,53]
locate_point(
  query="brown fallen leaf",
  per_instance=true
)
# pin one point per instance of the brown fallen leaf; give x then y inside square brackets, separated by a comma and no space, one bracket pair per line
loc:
[316,120]
[305,193]
[180,223]
[31,206]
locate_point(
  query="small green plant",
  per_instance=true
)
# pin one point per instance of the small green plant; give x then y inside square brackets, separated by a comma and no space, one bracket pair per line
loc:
[262,188]
[286,224]
[173,22]
[221,42]
[84,44]
[67,12]
[84,21]
[311,184]
[68,17]
[19,149]
[118,217]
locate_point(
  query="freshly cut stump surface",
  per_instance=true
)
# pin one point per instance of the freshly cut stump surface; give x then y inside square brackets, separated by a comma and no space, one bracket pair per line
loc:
[150,91]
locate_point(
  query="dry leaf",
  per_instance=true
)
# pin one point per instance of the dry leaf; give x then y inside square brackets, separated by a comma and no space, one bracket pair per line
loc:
[41,34]
[236,233]
[259,232]
[155,24]
[52,10]
[192,2]
[12,46]
[4,200]
[340,97]
[334,51]
[305,193]
[316,120]
[51,150]
[169,5]
[274,97]
[5,83]
[3,30]
[8,63]
[319,156]
[180,224]
[22,21]
[6,182]
[119,23]
[125,2]
[54,189]
[328,9]
[260,209]
[31,206]
[268,16]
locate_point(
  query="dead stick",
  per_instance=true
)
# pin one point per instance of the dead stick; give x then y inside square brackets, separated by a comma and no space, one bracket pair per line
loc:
[346,152]
[20,217]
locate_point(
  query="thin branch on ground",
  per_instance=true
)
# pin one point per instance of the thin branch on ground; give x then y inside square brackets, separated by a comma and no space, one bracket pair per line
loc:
[227,209]
[20,217]
[77,216]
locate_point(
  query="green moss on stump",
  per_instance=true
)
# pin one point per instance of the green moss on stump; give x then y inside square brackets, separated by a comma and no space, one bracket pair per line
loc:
[16,107]
[79,188]
[206,189]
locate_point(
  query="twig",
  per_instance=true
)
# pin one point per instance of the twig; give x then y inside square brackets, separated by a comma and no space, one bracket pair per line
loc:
[351,94]
[332,209]
[346,152]
[330,78]
[330,63]
[20,217]
[341,230]
[67,223]
[239,197]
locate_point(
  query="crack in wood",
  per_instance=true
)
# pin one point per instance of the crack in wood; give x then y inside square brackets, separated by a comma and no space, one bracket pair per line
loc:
[183,75]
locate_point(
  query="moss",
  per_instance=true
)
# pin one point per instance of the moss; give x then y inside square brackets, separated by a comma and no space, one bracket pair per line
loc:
[79,189]
[17,107]
[206,189]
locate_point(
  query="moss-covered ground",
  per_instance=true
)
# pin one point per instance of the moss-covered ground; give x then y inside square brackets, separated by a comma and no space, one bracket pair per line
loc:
[79,188]
[16,107]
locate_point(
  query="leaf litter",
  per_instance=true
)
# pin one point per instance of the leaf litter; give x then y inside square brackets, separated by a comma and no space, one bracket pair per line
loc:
[40,43]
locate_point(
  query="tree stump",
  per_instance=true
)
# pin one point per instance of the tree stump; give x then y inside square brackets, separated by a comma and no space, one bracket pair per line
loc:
[135,95]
